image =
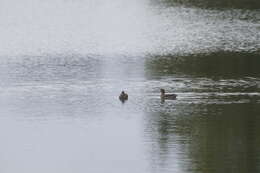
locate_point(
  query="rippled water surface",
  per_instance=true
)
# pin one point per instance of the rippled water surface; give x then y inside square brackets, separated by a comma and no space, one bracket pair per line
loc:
[64,63]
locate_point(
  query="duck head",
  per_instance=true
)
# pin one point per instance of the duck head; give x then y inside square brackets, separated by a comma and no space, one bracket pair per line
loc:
[162,91]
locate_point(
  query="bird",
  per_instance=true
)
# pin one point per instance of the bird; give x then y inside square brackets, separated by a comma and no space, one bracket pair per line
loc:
[123,96]
[167,96]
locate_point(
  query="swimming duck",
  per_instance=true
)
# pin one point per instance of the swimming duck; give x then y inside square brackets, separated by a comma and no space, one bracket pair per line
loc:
[167,96]
[123,96]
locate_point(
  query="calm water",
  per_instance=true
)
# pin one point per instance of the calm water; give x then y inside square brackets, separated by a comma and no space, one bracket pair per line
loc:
[64,63]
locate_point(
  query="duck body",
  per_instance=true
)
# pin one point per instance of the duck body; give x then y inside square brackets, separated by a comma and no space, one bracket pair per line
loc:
[167,96]
[123,96]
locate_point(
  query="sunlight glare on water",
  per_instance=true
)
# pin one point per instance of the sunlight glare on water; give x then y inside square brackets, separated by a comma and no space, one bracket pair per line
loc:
[63,64]
[120,27]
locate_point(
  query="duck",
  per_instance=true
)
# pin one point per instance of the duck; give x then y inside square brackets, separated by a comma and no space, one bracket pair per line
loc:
[167,96]
[123,96]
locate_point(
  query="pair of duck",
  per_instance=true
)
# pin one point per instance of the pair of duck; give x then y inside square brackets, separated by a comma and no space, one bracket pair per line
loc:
[124,96]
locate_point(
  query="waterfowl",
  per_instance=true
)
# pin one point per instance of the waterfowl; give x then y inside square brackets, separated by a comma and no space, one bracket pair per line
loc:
[167,96]
[123,96]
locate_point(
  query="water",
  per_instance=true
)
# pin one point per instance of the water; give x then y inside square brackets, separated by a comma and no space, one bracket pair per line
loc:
[64,63]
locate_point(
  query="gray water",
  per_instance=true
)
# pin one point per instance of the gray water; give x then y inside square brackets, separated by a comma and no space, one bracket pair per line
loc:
[64,63]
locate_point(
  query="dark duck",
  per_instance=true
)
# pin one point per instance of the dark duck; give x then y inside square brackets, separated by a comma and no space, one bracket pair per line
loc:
[167,96]
[123,96]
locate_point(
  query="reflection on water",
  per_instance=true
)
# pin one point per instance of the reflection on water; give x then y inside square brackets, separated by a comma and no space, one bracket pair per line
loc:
[213,65]
[213,125]
[220,4]
[63,68]
[72,102]
[122,27]
[205,138]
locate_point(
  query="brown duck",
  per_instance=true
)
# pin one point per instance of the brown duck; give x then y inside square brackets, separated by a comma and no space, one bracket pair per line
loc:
[167,96]
[123,96]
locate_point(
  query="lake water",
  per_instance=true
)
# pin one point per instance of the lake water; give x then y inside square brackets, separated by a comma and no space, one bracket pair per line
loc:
[63,64]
